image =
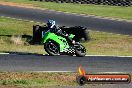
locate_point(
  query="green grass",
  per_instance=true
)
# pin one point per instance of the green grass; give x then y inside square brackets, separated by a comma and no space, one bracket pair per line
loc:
[39,80]
[34,79]
[28,82]
[98,10]
[109,44]
[12,27]
[101,43]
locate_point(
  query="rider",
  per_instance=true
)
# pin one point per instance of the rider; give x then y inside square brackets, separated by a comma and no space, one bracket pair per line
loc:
[55,29]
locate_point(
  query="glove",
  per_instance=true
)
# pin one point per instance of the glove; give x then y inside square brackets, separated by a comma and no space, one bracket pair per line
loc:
[66,34]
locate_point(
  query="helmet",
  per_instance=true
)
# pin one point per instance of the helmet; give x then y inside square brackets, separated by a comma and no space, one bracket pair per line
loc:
[51,23]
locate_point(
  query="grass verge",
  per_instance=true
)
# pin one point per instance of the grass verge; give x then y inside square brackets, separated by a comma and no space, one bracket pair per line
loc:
[34,79]
[38,80]
[98,10]
[15,36]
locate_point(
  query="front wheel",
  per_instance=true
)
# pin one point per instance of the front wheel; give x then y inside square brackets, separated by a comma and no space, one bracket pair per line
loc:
[51,48]
[80,50]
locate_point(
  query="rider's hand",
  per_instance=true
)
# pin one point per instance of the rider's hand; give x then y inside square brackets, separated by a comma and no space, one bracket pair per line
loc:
[66,35]
[59,31]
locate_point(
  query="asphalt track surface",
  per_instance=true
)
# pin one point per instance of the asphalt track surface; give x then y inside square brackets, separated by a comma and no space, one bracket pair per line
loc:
[92,23]
[65,63]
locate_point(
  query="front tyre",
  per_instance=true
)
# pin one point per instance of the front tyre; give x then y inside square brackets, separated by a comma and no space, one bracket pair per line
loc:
[80,50]
[51,48]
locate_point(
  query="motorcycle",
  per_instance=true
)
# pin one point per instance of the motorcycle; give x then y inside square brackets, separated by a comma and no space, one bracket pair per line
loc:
[58,45]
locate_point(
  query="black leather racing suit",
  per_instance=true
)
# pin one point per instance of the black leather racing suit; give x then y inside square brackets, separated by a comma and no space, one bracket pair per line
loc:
[59,32]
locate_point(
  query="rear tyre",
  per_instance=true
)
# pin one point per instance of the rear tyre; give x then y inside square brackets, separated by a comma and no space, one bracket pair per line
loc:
[52,48]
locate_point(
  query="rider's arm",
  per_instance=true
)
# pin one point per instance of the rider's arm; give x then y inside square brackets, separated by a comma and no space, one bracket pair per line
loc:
[59,31]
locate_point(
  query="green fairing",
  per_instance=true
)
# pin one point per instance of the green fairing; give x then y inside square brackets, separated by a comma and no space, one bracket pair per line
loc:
[58,39]
[71,36]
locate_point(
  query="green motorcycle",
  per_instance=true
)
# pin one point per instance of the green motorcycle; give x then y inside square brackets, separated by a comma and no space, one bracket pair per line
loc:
[58,45]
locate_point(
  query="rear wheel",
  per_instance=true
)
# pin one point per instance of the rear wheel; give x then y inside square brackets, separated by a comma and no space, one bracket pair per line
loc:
[52,48]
